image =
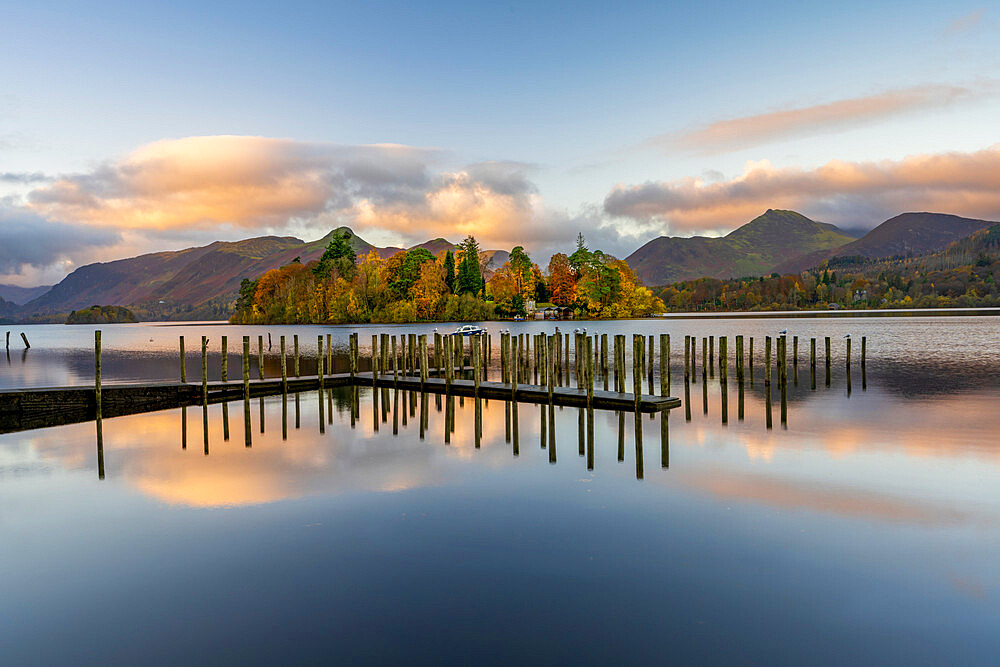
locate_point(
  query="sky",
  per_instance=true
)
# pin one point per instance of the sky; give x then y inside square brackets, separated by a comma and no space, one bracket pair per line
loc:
[138,127]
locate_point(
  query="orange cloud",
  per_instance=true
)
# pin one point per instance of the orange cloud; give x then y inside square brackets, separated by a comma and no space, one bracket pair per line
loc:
[737,133]
[260,182]
[838,191]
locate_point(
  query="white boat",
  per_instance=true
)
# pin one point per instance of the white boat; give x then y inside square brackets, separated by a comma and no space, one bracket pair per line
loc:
[468,330]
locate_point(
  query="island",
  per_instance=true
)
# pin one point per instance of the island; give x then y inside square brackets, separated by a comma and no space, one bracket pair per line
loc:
[101,315]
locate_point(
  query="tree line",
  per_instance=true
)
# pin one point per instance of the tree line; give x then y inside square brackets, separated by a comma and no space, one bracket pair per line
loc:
[415,285]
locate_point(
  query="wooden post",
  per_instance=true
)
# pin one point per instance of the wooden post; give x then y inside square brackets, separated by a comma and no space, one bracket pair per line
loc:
[395,362]
[246,368]
[375,368]
[864,349]
[449,367]
[723,359]
[97,373]
[739,358]
[224,371]
[329,355]
[183,368]
[515,370]
[664,364]
[284,366]
[295,351]
[687,357]
[352,354]
[204,368]
[320,360]
[637,370]
[705,360]
[652,357]
[551,347]
[795,350]
[827,341]
[260,357]
[27,345]
[423,360]
[767,361]
[8,340]
[589,370]
[848,353]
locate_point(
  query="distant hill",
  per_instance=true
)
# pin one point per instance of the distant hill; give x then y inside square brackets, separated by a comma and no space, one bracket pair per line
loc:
[756,248]
[194,283]
[913,234]
[22,295]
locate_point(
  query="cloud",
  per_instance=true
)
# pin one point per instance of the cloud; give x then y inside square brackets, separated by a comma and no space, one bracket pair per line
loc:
[965,22]
[747,131]
[29,240]
[854,193]
[23,177]
[257,183]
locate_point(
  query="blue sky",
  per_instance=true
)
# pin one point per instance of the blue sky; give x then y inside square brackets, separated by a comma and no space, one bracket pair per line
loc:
[603,117]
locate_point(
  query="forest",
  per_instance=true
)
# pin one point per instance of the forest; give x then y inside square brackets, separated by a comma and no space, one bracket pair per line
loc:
[964,275]
[415,285]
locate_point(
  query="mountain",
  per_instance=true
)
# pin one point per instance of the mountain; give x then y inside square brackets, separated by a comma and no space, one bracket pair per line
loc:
[913,234]
[22,295]
[756,248]
[194,283]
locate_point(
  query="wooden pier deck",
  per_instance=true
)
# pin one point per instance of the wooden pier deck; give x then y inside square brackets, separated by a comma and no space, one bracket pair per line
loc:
[25,409]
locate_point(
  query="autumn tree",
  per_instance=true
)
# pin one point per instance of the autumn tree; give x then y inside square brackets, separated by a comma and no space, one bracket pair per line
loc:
[562,280]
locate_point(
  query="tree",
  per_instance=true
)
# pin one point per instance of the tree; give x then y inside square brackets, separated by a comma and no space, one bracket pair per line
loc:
[562,280]
[520,264]
[243,309]
[449,270]
[470,277]
[338,255]
[428,290]
[408,271]
[581,257]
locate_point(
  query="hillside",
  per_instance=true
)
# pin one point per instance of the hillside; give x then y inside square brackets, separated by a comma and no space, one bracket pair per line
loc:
[965,274]
[194,283]
[913,234]
[756,248]
[101,315]
[22,295]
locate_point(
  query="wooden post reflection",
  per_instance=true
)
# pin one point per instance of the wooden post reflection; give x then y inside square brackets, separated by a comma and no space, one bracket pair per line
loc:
[739,408]
[204,423]
[514,428]
[665,439]
[449,411]
[704,395]
[621,435]
[395,405]
[298,415]
[184,427]
[638,446]
[260,406]
[767,402]
[423,415]
[284,416]
[225,421]
[542,428]
[580,419]
[590,438]
[247,435]
[784,403]
[375,418]
[724,384]
[100,449]
[687,399]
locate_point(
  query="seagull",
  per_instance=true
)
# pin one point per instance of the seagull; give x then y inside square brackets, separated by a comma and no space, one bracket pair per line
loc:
[847,336]
[783,332]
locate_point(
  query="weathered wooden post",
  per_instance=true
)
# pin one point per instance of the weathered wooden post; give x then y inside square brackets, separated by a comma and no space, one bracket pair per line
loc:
[320,361]
[27,345]
[552,346]
[515,372]
[637,371]
[423,360]
[864,349]
[284,367]
[812,361]
[751,361]
[183,367]
[664,364]
[651,361]
[449,367]
[329,354]
[739,358]
[295,353]
[8,340]
[711,355]
[848,353]
[395,366]
[767,361]
[705,362]
[590,370]
[260,357]
[246,367]
[223,367]
[827,361]
[97,373]
[723,358]
[687,357]
[204,368]
[375,368]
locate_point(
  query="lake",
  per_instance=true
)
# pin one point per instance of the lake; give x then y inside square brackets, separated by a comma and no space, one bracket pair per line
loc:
[381,527]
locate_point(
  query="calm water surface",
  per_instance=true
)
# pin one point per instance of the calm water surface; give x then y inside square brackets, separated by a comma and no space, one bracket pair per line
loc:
[384,528]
